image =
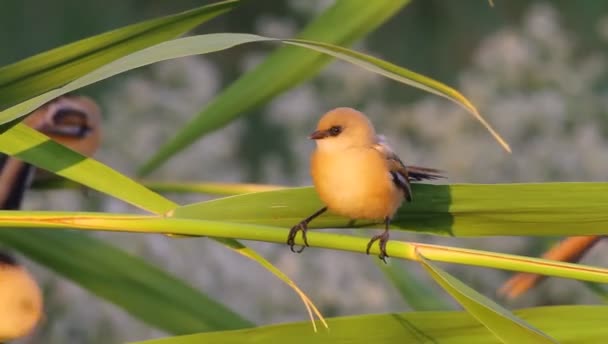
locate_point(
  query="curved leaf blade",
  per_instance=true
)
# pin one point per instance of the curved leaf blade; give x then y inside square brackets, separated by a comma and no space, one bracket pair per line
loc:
[180,47]
[402,75]
[502,323]
[54,68]
[415,293]
[342,23]
[311,308]
[37,149]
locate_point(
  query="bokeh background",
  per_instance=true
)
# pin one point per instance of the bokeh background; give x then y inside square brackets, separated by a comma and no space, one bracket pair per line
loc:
[537,71]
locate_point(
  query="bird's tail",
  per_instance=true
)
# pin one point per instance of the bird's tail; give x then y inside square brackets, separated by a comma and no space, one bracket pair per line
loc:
[418,173]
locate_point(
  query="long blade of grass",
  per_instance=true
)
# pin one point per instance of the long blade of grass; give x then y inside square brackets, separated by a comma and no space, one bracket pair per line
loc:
[402,75]
[567,324]
[455,210]
[37,149]
[211,188]
[501,322]
[191,226]
[51,69]
[313,311]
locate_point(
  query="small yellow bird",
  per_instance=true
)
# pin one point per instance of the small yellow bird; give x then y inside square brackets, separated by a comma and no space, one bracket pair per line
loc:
[20,300]
[357,175]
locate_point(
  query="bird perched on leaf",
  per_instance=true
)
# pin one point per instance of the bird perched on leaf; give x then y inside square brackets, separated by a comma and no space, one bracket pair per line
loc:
[73,121]
[357,174]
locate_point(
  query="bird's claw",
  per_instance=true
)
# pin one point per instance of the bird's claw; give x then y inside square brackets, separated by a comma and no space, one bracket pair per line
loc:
[291,238]
[382,240]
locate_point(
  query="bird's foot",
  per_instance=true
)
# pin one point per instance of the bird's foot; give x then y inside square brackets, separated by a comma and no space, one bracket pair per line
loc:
[382,240]
[291,238]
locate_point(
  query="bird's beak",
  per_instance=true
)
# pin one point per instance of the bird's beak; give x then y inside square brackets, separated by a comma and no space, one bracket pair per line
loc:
[318,134]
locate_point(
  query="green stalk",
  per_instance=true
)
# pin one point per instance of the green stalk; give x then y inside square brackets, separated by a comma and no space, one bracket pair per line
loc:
[215,229]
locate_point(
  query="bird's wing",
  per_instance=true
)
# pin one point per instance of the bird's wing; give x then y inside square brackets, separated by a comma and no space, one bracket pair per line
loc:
[418,173]
[396,167]
[401,173]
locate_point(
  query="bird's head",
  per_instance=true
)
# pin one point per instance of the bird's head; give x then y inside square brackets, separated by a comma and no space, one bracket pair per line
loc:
[343,128]
[71,120]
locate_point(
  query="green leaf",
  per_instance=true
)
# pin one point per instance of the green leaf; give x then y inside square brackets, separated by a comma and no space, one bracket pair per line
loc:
[402,75]
[455,210]
[502,323]
[54,68]
[180,47]
[599,290]
[415,293]
[141,289]
[37,149]
[342,24]
[251,254]
[568,324]
[168,50]
[432,211]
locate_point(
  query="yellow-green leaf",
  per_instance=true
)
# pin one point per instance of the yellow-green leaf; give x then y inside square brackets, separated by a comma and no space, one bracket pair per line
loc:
[502,323]
[37,149]
[454,210]
[51,69]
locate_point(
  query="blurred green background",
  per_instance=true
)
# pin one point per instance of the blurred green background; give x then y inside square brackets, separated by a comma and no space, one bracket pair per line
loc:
[537,70]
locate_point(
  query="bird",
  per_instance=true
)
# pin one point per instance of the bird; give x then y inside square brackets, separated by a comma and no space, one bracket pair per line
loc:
[569,250]
[357,175]
[20,299]
[73,121]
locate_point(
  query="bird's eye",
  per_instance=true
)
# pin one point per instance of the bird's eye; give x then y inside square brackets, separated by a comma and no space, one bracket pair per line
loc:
[69,122]
[335,130]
